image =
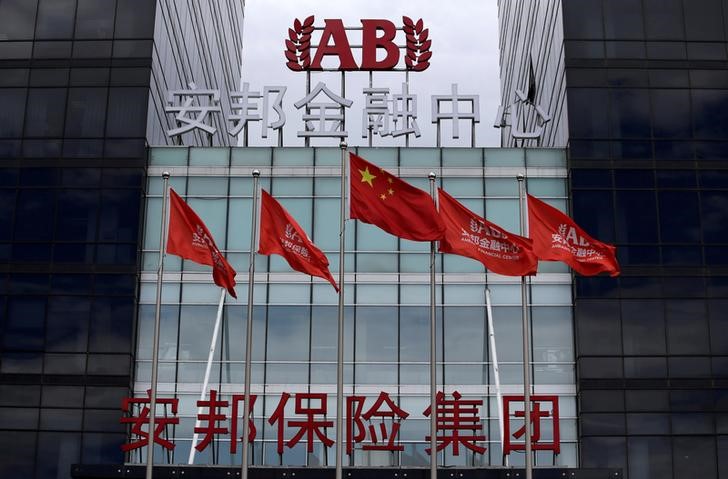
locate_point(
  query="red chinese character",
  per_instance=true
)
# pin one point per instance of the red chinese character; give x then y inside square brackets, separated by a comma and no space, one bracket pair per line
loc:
[457,416]
[354,407]
[212,418]
[160,422]
[309,426]
[237,399]
[536,415]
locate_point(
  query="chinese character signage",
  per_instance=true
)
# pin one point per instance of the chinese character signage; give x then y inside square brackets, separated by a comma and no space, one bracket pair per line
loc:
[373,423]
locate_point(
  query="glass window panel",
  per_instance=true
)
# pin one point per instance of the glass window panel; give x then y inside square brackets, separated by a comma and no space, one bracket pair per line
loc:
[119,215]
[623,19]
[687,328]
[679,216]
[552,334]
[207,185]
[464,336]
[301,209]
[462,157]
[376,263]
[95,18]
[176,156]
[288,333]
[376,334]
[636,225]
[464,294]
[694,456]
[598,327]
[703,20]
[24,325]
[508,333]
[376,294]
[594,212]
[45,112]
[551,294]
[372,238]
[555,158]
[127,112]
[630,113]
[76,215]
[459,264]
[13,111]
[504,157]
[326,229]
[578,25]
[463,186]
[414,263]
[546,187]
[289,293]
[55,19]
[710,115]
[501,187]
[378,374]
[67,324]
[293,156]
[643,327]
[588,122]
[419,157]
[327,186]
[251,156]
[504,213]
[196,326]
[301,186]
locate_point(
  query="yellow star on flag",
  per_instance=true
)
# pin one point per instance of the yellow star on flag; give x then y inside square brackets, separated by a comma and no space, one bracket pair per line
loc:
[383,196]
[390,191]
[367,177]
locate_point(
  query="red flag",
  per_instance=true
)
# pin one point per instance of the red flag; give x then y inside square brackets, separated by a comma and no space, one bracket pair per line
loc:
[557,238]
[280,234]
[394,205]
[190,239]
[468,234]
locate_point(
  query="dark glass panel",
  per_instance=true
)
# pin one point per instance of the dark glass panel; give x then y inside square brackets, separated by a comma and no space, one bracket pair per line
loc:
[40,77]
[44,148]
[723,445]
[643,324]
[113,365]
[718,286]
[679,216]
[685,287]
[638,255]
[73,253]
[7,208]
[17,19]
[134,19]
[676,179]
[706,51]
[83,177]
[414,325]
[601,401]
[19,395]
[63,396]
[581,178]
[703,20]
[645,368]
[9,177]
[39,176]
[718,325]
[691,400]
[588,122]
[118,254]
[708,78]
[92,49]
[641,424]
[710,114]
[127,112]
[115,284]
[682,255]
[671,113]
[666,51]
[45,112]
[52,49]
[577,77]
[130,76]
[105,397]
[123,177]
[77,215]
[95,18]
[669,78]
[119,218]
[578,25]
[663,19]
[89,76]
[29,283]
[636,225]
[132,48]
[103,448]
[21,363]
[34,215]
[711,151]
[602,424]
[57,451]
[594,212]
[86,112]
[631,150]
[588,149]
[598,328]
[689,367]
[17,450]
[71,283]
[629,179]
[647,401]
[627,78]
[376,334]
[55,19]
[649,457]
[673,150]
[714,210]
[68,323]
[600,368]
[622,19]
[31,252]
[687,327]
[640,286]
[600,452]
[629,113]
[694,456]
[625,50]
[12,113]
[111,329]
[24,327]
[596,287]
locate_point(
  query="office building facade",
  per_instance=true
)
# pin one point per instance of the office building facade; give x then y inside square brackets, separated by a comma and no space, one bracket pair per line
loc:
[75,91]
[645,123]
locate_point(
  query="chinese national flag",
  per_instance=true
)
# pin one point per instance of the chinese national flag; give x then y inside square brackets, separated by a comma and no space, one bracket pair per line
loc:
[392,204]
[190,239]
[557,238]
[468,234]
[280,234]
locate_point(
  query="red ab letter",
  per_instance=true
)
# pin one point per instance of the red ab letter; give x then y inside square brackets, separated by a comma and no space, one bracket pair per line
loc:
[334,29]
[370,44]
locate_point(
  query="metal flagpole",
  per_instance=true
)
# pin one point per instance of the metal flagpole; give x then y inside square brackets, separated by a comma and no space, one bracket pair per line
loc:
[526,339]
[340,347]
[157,321]
[494,360]
[433,350]
[205,382]
[249,327]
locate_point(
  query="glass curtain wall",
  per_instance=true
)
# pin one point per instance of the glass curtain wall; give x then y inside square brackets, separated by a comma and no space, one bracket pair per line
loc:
[387,302]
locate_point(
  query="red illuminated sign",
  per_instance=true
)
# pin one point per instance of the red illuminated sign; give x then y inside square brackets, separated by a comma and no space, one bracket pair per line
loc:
[376,35]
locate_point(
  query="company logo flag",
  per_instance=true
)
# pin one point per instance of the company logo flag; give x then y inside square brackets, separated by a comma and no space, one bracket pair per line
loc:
[190,239]
[556,237]
[280,234]
[383,200]
[468,234]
